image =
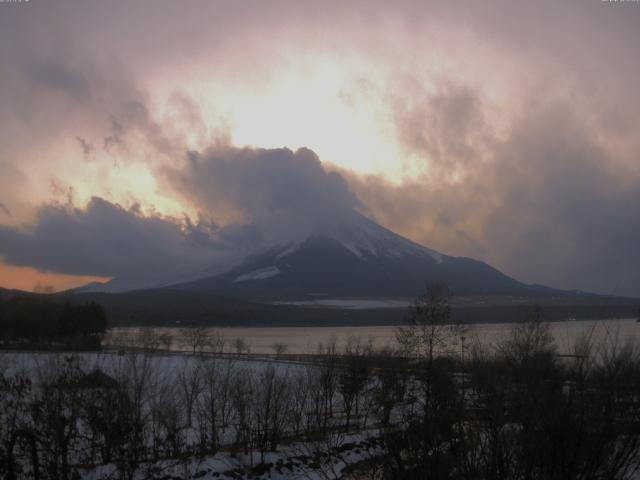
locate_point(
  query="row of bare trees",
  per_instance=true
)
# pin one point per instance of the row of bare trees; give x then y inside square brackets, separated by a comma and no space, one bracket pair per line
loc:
[66,415]
[194,339]
[517,410]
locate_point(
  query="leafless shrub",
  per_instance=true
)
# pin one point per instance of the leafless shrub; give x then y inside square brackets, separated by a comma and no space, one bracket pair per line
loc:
[240,346]
[196,338]
[279,348]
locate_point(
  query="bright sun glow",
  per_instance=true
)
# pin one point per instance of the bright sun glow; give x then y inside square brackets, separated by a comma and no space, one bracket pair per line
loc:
[308,107]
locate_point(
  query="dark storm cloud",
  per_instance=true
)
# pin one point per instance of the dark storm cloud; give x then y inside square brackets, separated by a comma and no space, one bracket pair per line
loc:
[550,202]
[446,127]
[277,195]
[565,209]
[61,78]
[281,193]
[106,240]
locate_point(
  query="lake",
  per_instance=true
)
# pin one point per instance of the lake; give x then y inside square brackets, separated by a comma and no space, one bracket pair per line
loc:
[302,340]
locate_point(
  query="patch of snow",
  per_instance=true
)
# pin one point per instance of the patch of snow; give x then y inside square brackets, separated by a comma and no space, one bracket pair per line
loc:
[292,248]
[293,461]
[349,303]
[259,274]
[352,248]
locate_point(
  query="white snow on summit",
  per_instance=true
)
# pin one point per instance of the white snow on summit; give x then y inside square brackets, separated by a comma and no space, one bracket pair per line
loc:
[363,237]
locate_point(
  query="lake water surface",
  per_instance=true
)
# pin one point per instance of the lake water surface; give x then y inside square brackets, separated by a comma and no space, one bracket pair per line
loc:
[302,340]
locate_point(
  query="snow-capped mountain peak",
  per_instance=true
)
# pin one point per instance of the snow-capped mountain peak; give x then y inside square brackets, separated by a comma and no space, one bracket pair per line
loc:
[364,237]
[355,258]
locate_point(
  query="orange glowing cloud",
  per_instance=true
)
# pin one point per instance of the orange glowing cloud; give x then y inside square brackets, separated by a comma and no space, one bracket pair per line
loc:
[32,280]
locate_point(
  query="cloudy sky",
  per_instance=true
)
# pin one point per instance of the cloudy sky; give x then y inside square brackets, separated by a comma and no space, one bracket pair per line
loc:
[150,135]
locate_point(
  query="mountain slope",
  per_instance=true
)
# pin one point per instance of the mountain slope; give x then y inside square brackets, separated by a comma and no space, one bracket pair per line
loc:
[355,259]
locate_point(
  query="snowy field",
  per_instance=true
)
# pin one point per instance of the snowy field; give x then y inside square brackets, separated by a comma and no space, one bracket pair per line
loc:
[165,366]
[251,398]
[239,416]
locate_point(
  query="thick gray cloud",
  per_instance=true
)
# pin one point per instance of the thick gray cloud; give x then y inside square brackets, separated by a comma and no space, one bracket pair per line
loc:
[61,78]
[569,211]
[446,127]
[268,196]
[551,201]
[283,195]
[106,240]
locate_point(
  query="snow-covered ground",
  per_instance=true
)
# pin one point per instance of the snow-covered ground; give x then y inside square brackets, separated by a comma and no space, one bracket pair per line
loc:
[169,364]
[161,378]
[167,382]
[295,461]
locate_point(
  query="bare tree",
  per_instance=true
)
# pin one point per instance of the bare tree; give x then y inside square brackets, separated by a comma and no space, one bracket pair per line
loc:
[323,389]
[530,339]
[271,404]
[166,340]
[279,348]
[196,338]
[429,327]
[391,384]
[301,383]
[133,420]
[215,401]
[57,410]
[170,418]
[190,385]
[426,341]
[240,345]
[217,341]
[148,338]
[242,391]
[15,401]
[354,376]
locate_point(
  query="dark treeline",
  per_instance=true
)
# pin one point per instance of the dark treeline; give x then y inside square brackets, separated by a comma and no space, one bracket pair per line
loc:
[439,406]
[46,322]
[166,307]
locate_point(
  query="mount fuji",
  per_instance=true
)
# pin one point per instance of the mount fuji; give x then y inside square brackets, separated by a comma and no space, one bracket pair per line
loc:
[348,271]
[357,258]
